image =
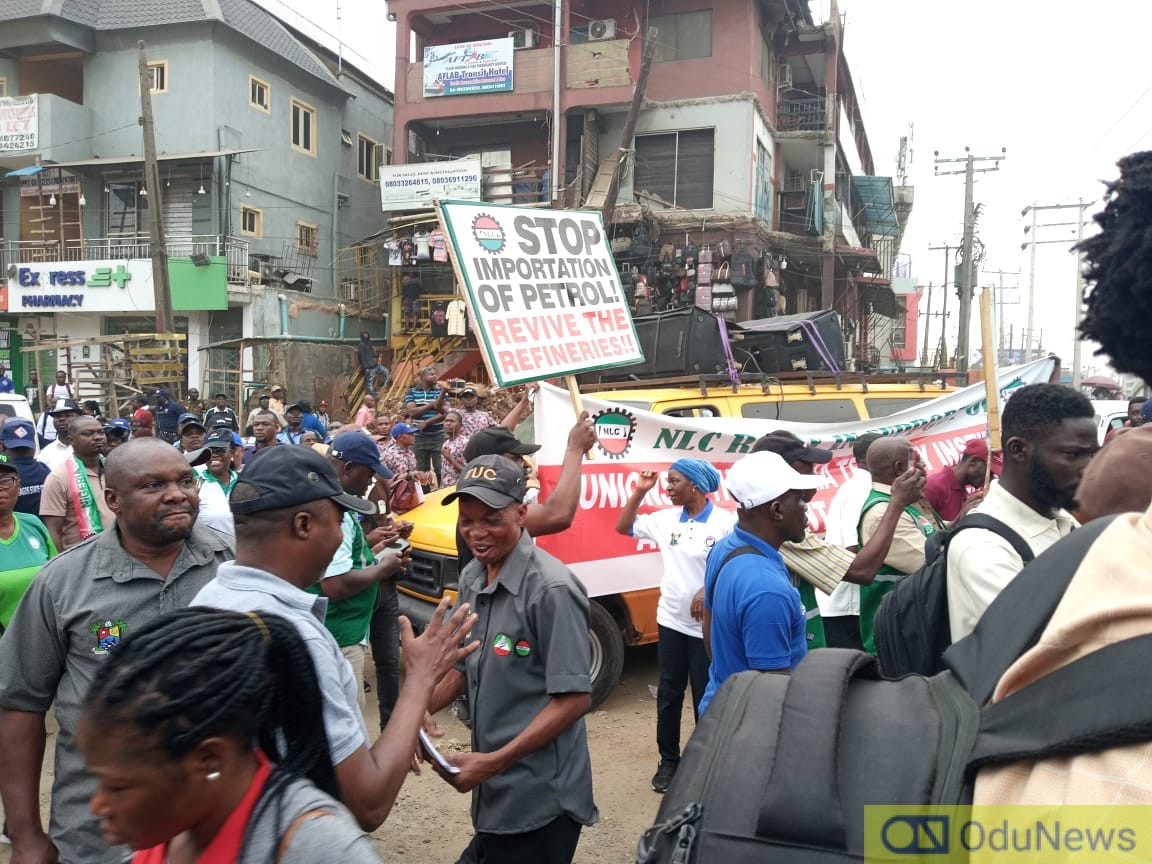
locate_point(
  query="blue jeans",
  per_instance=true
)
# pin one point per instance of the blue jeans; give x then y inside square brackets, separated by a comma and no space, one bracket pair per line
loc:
[371,373]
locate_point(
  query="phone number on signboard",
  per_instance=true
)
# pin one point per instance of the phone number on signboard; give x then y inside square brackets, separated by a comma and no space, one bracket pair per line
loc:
[423,181]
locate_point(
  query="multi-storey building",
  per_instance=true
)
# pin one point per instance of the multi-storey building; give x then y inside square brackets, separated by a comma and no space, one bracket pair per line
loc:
[269,149]
[750,133]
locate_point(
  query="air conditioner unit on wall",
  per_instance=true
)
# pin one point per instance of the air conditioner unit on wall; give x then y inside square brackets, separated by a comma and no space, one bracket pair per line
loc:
[523,38]
[784,78]
[599,31]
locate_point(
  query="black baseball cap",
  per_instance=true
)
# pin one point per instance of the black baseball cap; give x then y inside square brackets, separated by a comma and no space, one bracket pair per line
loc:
[286,476]
[192,424]
[791,448]
[6,464]
[496,441]
[493,480]
[220,438]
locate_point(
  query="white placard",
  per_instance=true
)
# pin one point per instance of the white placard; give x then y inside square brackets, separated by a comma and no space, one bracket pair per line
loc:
[413,187]
[543,290]
[19,124]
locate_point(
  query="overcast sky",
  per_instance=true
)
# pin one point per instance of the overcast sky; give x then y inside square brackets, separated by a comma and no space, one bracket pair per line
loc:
[1064,87]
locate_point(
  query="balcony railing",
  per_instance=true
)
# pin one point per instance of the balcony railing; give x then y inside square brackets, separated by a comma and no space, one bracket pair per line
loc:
[800,115]
[233,249]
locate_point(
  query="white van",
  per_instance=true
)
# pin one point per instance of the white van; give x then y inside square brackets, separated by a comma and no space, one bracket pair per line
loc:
[12,405]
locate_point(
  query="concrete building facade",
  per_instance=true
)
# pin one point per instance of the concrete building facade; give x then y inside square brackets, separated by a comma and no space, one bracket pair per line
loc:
[750,134]
[269,150]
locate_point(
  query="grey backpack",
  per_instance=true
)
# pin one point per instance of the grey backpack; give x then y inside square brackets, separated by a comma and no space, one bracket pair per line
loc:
[780,768]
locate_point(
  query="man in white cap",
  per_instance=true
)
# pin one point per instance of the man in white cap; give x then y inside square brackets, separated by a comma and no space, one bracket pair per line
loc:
[753,617]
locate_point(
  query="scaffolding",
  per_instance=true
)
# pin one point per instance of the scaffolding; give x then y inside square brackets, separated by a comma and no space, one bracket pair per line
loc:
[113,369]
[256,364]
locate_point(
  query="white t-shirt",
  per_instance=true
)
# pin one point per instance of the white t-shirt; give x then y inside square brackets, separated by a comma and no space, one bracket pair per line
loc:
[55,454]
[214,509]
[684,545]
[840,529]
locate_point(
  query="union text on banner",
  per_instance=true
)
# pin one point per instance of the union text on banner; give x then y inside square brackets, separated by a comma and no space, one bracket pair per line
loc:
[631,440]
[543,289]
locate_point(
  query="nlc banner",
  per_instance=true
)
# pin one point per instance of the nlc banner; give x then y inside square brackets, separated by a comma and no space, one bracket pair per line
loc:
[630,440]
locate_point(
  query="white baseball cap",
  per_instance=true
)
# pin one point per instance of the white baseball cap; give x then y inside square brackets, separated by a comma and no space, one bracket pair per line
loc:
[762,477]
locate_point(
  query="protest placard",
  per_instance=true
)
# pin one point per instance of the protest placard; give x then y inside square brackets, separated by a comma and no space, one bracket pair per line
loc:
[542,288]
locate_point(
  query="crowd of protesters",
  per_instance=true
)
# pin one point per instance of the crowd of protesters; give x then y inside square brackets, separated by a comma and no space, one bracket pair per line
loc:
[195,599]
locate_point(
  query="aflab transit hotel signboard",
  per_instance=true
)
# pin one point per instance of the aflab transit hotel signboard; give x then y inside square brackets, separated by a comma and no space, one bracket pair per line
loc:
[468,67]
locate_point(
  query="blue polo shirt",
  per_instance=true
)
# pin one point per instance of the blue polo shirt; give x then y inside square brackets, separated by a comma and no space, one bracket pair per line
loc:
[757,617]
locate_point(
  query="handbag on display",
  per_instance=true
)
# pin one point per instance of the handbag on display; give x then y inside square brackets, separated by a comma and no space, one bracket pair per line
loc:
[723,294]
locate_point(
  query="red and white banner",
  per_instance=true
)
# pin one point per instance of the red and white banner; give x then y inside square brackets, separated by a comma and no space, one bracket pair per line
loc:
[630,440]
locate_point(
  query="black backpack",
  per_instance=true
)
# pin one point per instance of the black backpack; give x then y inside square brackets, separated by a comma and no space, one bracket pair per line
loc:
[912,628]
[743,270]
[780,768]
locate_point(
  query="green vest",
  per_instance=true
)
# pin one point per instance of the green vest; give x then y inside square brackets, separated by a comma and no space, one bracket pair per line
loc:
[886,577]
[347,620]
[813,624]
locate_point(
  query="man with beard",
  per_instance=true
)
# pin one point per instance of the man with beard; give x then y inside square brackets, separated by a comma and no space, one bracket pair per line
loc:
[156,558]
[1049,435]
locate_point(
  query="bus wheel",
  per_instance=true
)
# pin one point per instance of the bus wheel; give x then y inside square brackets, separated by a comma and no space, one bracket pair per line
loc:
[607,653]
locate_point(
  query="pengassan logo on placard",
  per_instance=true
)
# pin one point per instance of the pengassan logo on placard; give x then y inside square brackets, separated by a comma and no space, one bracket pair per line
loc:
[614,428]
[488,233]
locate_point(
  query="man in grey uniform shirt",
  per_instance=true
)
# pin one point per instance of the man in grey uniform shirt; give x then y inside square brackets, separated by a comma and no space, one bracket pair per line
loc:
[529,684]
[288,506]
[77,610]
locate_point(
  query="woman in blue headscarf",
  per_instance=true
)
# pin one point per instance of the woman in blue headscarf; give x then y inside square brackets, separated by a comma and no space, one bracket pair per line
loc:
[684,534]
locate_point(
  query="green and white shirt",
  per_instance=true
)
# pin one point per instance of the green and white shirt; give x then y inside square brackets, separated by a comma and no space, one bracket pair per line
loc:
[21,557]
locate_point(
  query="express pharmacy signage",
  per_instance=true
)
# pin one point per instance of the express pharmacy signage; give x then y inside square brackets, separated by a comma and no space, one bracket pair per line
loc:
[89,286]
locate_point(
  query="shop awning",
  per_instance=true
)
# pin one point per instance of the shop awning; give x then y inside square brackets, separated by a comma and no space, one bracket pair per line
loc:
[161,157]
[26,171]
[877,204]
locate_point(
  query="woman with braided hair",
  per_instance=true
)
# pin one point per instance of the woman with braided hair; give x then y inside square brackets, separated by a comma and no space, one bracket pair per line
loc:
[205,733]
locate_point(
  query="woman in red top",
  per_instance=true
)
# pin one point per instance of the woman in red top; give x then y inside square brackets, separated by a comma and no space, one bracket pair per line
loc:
[204,732]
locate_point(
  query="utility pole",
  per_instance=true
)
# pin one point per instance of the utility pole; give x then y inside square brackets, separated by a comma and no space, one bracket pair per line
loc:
[160,286]
[1033,241]
[1079,313]
[1000,345]
[927,321]
[965,288]
[628,135]
[942,350]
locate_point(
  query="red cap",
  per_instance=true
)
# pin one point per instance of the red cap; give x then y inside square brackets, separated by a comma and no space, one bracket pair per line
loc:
[976,447]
